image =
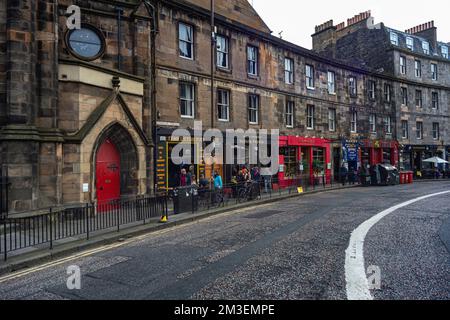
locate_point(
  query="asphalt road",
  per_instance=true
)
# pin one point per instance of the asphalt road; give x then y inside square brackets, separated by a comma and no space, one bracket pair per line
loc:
[293,249]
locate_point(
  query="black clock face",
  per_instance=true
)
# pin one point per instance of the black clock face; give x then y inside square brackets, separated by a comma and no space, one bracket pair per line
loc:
[85,42]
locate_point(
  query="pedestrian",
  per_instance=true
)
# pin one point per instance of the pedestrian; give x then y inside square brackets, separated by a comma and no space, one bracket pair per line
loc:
[218,184]
[343,172]
[189,174]
[267,183]
[183,178]
[203,182]
[351,176]
[194,181]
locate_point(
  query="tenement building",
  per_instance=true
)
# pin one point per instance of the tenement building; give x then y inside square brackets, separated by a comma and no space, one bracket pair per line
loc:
[420,65]
[87,114]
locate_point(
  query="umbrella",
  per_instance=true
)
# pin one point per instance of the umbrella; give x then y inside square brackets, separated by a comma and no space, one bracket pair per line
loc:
[436,160]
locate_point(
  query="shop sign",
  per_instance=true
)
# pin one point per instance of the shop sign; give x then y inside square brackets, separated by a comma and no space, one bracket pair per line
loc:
[352,155]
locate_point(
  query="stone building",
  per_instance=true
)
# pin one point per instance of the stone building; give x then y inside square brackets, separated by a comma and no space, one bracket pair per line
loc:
[88,114]
[321,105]
[421,67]
[75,120]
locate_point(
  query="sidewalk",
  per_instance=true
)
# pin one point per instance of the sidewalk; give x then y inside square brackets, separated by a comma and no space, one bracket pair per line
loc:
[36,255]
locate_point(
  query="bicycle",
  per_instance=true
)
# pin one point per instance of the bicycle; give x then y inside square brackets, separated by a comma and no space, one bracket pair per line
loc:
[248,192]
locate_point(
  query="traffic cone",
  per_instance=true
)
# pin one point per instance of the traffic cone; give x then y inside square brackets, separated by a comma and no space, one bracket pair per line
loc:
[164,219]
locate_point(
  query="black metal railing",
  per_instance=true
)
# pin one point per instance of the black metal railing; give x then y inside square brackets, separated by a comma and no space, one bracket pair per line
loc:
[199,199]
[58,224]
[4,184]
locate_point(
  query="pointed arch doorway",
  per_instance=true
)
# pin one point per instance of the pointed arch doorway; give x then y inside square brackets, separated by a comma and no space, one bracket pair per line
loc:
[108,172]
[116,165]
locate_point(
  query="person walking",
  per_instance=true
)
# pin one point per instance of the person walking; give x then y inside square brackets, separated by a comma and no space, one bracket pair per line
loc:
[183,178]
[343,173]
[218,187]
[267,183]
[351,176]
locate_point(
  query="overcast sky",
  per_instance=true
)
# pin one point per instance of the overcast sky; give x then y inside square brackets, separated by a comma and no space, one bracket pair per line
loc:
[297,18]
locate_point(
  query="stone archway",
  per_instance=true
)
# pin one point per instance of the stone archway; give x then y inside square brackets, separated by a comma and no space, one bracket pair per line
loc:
[129,160]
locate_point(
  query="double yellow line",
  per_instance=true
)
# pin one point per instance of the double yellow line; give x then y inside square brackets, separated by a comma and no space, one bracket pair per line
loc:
[87,253]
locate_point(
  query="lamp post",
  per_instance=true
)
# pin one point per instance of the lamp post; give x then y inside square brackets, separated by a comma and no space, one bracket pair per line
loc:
[213,49]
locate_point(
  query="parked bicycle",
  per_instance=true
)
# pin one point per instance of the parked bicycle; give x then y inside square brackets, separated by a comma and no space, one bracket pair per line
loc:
[248,192]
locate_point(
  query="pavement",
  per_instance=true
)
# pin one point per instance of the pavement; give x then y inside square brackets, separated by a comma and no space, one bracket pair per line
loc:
[293,249]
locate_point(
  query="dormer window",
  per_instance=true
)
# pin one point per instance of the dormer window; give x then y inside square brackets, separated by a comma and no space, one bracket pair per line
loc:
[426,47]
[394,38]
[410,43]
[444,50]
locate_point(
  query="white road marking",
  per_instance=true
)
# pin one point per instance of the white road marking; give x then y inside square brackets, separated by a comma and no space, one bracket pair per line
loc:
[87,253]
[357,285]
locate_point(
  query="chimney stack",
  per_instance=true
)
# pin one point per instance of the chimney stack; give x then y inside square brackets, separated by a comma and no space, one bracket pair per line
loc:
[358,18]
[425,30]
[324,26]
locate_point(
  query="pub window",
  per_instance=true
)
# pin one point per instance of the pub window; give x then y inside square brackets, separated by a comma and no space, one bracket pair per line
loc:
[291,162]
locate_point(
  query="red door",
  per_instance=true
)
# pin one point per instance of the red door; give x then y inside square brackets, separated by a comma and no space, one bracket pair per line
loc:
[108,172]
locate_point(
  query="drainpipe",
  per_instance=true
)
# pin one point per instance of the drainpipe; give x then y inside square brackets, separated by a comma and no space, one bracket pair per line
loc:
[152,57]
[119,37]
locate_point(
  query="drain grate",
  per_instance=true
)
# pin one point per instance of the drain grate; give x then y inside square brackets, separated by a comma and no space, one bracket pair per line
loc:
[262,214]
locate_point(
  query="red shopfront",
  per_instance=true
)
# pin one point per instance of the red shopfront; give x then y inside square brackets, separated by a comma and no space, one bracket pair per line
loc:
[300,157]
[376,151]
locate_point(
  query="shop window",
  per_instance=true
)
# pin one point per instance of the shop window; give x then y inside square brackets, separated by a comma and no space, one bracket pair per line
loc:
[291,162]
[318,161]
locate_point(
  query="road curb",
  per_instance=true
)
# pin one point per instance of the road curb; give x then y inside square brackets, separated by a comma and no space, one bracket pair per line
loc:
[24,261]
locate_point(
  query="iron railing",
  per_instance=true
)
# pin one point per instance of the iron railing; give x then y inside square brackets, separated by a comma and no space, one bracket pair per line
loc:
[81,221]
[4,184]
[206,198]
